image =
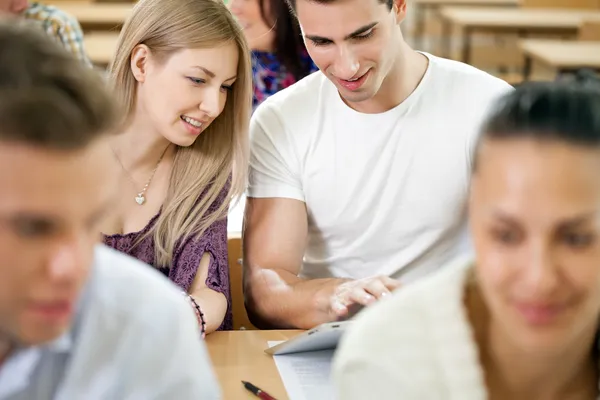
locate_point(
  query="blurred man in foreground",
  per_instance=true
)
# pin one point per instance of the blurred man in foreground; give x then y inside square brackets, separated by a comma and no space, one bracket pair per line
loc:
[77,320]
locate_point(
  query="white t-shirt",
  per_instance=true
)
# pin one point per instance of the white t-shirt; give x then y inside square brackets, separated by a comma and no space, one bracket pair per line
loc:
[385,193]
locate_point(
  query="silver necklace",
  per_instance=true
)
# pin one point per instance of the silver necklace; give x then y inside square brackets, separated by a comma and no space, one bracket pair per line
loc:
[140,198]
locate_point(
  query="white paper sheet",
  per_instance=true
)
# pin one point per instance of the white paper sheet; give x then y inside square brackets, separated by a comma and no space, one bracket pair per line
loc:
[306,376]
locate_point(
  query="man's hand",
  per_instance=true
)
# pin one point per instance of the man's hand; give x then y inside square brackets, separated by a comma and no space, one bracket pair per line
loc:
[362,292]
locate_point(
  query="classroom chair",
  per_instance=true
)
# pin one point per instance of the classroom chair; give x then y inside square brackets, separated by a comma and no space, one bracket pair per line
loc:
[240,317]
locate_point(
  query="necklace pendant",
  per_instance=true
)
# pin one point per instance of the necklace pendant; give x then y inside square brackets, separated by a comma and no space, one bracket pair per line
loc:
[140,199]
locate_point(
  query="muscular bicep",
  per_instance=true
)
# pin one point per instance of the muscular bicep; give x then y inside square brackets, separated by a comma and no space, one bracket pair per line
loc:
[275,234]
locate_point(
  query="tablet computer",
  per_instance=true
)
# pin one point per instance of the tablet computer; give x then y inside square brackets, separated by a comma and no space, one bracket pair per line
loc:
[323,337]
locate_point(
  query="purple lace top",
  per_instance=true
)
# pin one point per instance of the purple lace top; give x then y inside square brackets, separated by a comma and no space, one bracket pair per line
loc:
[187,256]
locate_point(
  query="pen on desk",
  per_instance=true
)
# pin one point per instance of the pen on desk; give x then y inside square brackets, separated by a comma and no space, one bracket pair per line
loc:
[261,394]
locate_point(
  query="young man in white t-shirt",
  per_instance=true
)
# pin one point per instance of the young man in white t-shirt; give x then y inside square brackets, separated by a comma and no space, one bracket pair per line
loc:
[359,172]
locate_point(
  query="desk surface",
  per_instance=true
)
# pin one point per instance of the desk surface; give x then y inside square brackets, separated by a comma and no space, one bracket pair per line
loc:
[100,47]
[518,18]
[239,355]
[97,13]
[475,3]
[562,54]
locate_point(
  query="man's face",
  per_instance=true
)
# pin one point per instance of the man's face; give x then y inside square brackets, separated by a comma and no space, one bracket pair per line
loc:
[13,7]
[51,205]
[353,42]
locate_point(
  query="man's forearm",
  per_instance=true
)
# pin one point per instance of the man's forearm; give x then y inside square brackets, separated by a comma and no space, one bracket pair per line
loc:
[279,299]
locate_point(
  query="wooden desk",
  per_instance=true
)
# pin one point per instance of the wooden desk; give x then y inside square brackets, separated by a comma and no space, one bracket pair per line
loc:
[98,16]
[562,56]
[422,7]
[565,22]
[239,355]
[100,47]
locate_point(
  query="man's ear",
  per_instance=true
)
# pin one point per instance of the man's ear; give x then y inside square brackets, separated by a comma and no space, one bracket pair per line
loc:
[399,10]
[139,62]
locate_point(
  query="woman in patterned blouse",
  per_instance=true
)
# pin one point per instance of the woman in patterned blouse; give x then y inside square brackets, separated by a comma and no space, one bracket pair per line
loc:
[182,74]
[279,57]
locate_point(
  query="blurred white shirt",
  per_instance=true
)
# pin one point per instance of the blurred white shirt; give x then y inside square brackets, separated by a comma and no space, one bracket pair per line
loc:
[134,337]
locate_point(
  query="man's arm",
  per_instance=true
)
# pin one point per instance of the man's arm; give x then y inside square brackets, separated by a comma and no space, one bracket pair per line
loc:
[275,234]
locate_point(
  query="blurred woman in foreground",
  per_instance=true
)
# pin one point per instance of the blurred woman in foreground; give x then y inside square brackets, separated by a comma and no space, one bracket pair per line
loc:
[520,321]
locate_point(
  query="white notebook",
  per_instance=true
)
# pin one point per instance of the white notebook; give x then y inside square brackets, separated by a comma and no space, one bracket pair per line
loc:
[306,376]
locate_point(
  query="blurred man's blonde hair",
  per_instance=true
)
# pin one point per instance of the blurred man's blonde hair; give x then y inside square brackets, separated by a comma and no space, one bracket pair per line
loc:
[48,98]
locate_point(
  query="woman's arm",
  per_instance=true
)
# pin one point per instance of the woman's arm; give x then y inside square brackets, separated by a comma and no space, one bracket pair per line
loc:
[212,303]
[201,268]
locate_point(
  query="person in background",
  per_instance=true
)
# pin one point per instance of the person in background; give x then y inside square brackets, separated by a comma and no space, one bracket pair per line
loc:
[182,73]
[56,23]
[279,57]
[77,319]
[358,173]
[520,319]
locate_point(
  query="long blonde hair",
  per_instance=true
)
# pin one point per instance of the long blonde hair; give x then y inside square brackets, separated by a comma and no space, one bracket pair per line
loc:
[204,168]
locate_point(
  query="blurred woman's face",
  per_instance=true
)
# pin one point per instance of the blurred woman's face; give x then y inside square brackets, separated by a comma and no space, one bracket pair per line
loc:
[259,34]
[535,221]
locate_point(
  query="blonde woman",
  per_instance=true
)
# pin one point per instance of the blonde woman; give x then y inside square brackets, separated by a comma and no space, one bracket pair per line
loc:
[182,72]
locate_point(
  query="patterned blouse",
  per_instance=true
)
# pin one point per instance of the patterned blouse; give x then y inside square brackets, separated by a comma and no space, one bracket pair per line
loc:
[59,25]
[270,76]
[187,256]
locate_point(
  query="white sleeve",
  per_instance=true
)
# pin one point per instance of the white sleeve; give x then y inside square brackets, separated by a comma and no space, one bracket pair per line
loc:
[275,169]
[172,360]
[361,372]
[361,378]
[384,355]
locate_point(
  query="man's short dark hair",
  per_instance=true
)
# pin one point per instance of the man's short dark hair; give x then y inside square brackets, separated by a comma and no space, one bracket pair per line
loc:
[292,3]
[48,98]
